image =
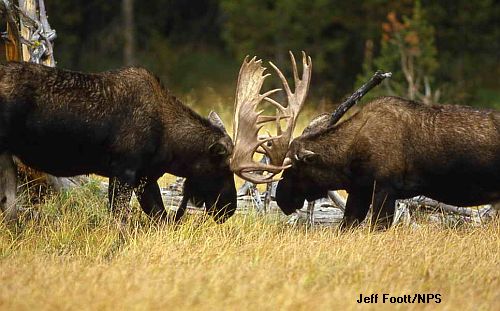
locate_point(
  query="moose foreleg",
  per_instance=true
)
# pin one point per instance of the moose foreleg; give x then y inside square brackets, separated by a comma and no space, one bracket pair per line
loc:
[182,208]
[357,205]
[384,205]
[149,197]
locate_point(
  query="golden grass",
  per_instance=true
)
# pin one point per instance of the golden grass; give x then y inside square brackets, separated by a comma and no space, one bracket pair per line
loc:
[74,256]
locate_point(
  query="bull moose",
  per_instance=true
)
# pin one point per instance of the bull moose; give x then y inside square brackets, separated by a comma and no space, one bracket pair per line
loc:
[392,148]
[122,124]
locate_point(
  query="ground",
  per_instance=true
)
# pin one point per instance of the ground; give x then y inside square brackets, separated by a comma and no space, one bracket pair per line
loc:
[73,255]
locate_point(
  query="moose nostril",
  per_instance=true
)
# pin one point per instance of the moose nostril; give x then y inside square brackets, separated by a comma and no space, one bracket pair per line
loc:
[3,200]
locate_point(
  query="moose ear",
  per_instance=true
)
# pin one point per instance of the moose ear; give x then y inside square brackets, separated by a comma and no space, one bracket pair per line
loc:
[218,149]
[214,118]
[307,156]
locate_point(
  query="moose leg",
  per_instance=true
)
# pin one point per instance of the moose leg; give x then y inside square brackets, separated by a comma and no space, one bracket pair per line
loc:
[188,194]
[149,197]
[357,205]
[119,195]
[8,187]
[384,205]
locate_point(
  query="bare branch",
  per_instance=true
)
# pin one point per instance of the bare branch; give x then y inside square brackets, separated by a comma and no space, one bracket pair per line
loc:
[375,80]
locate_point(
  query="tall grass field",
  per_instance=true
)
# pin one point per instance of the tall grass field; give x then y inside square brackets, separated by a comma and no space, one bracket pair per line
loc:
[73,255]
[69,253]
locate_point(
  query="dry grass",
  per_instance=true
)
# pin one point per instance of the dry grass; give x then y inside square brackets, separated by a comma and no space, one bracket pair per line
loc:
[74,256]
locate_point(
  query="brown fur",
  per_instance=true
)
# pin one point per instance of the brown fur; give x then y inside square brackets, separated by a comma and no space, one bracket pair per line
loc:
[122,124]
[395,148]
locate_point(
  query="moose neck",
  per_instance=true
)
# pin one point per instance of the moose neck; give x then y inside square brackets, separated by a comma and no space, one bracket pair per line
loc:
[186,137]
[334,144]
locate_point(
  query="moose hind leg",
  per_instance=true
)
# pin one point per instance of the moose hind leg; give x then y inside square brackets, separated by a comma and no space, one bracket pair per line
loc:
[8,187]
[119,195]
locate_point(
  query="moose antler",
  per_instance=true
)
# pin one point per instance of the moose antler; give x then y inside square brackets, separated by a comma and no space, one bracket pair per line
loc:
[248,121]
[278,148]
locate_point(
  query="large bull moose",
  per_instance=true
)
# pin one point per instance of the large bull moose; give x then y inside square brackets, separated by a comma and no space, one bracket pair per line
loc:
[392,148]
[122,124]
[125,125]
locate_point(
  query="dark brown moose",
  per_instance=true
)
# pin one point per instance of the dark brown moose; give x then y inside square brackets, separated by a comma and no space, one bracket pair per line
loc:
[391,149]
[121,124]
[394,148]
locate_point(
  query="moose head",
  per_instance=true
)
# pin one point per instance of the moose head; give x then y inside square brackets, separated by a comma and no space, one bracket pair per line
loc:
[305,173]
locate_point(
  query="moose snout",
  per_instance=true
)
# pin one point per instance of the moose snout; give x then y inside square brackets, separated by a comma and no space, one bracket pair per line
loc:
[288,198]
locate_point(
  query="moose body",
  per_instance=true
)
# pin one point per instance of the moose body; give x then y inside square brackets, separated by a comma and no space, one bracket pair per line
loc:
[121,124]
[395,149]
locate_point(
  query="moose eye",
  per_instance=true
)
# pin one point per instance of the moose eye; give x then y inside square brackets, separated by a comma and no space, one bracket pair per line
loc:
[306,156]
[310,159]
[218,149]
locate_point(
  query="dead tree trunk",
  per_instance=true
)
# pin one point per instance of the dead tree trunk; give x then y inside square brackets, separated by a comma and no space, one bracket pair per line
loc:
[29,38]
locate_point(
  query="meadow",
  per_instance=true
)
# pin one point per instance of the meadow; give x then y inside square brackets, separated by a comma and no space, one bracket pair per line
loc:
[69,253]
[75,256]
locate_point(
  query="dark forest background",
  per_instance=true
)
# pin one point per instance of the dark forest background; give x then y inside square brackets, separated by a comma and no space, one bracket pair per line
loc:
[439,51]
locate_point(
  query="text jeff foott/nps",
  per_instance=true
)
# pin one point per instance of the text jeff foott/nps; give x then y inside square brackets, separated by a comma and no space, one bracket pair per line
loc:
[398,299]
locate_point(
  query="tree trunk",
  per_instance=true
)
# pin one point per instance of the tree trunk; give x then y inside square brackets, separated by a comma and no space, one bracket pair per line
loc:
[8,187]
[16,51]
[128,32]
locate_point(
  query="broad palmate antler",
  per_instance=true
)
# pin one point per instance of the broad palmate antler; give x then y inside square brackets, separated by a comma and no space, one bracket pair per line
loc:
[248,121]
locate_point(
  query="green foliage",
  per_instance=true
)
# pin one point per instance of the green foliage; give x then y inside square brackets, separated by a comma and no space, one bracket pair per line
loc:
[408,51]
[487,98]
[270,28]
[195,44]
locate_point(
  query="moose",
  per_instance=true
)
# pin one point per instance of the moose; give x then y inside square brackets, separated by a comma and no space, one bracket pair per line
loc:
[125,125]
[122,124]
[391,149]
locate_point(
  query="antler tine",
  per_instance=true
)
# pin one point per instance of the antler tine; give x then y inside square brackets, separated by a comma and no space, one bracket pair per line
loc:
[258,179]
[307,65]
[296,100]
[248,121]
[276,104]
[266,94]
[306,78]
[283,79]
[294,67]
